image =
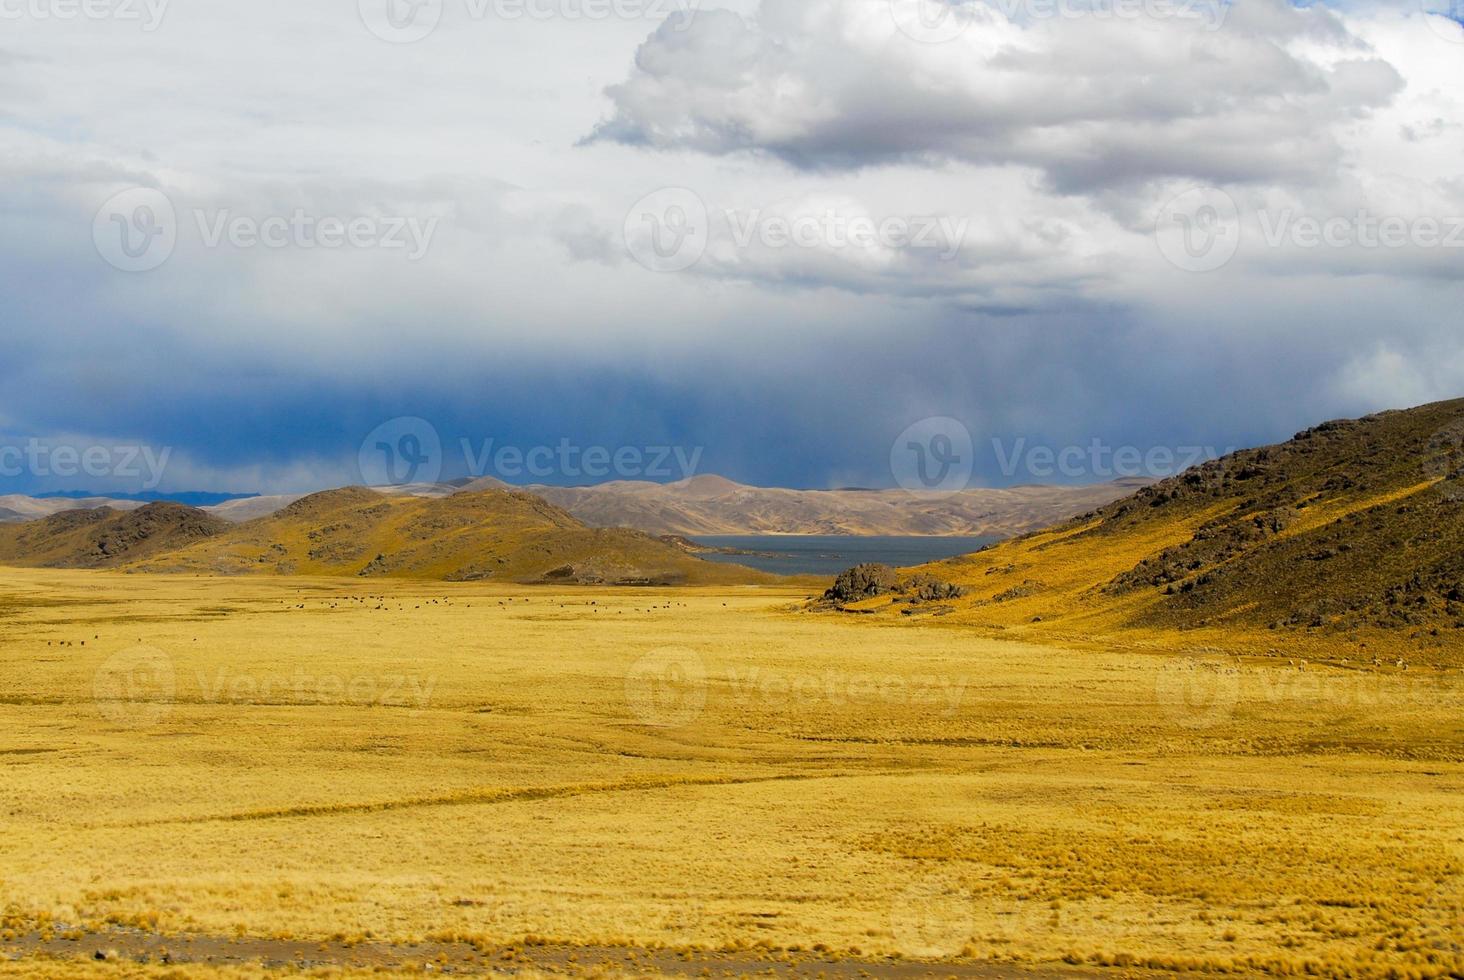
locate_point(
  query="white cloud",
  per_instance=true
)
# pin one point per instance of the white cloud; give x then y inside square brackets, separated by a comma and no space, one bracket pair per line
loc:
[1386,377]
[1090,103]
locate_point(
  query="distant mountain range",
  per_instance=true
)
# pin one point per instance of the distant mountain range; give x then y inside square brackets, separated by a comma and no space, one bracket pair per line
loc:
[713,505]
[16,508]
[197,498]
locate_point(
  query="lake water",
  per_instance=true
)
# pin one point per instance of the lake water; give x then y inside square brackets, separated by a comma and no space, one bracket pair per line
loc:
[831,554]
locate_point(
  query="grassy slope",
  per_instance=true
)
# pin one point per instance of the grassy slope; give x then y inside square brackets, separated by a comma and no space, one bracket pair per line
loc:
[497,535]
[1352,528]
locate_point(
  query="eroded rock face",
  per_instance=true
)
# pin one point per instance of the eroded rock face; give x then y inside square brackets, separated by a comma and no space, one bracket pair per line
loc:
[863,582]
[872,580]
[931,589]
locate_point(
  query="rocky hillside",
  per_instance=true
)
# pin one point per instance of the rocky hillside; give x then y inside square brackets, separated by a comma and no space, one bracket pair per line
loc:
[106,538]
[1354,525]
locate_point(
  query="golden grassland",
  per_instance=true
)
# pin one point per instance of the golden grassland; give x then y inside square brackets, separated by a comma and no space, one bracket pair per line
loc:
[712,769]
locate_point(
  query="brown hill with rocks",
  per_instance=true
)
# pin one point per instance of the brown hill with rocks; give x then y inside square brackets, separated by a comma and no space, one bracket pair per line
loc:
[105,538]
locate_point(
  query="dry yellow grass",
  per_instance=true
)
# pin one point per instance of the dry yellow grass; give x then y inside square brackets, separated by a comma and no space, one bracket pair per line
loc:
[708,769]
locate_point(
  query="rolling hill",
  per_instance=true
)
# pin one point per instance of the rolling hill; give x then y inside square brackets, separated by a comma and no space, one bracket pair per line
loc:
[496,535]
[105,538]
[1351,526]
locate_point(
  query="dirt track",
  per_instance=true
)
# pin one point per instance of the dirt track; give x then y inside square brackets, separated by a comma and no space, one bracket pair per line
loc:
[464,959]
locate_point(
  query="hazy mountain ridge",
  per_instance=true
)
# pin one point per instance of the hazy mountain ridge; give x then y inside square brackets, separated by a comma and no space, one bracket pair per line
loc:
[17,508]
[715,505]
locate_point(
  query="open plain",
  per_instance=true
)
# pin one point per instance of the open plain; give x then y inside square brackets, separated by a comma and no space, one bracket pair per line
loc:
[245,776]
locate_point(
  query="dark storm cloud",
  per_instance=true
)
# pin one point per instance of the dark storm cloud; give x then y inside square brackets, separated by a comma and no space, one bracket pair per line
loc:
[529,320]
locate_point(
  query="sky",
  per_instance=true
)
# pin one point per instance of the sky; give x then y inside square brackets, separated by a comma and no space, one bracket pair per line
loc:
[287,245]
